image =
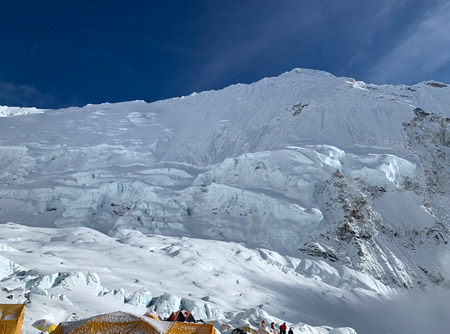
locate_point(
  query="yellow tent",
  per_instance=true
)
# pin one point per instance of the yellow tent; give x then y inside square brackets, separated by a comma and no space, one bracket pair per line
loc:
[191,328]
[44,325]
[11,318]
[114,323]
[123,323]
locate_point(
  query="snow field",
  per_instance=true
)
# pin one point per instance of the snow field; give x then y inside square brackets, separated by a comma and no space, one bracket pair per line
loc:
[126,273]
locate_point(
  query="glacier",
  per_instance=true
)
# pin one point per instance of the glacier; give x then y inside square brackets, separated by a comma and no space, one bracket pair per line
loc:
[320,196]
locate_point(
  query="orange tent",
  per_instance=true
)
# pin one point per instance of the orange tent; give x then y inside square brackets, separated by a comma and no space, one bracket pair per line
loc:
[114,323]
[152,314]
[181,315]
[127,323]
[191,328]
[11,318]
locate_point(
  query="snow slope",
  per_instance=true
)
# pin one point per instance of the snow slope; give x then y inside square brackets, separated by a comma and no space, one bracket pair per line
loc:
[335,189]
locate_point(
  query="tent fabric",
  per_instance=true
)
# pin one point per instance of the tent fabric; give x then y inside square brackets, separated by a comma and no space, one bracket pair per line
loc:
[190,328]
[50,329]
[181,315]
[127,323]
[261,331]
[249,329]
[152,315]
[11,318]
[114,323]
[43,325]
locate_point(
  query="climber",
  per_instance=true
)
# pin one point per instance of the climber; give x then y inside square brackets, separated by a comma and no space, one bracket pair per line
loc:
[283,328]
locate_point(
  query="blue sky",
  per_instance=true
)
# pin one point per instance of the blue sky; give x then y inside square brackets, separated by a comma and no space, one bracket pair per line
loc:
[62,53]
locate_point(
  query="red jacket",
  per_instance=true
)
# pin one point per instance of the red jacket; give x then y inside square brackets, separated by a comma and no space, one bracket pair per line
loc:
[283,327]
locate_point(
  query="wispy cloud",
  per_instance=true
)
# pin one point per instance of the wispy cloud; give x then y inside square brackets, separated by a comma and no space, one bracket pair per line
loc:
[421,54]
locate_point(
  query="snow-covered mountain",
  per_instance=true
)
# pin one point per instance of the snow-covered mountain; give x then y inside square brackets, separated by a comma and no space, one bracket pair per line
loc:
[298,198]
